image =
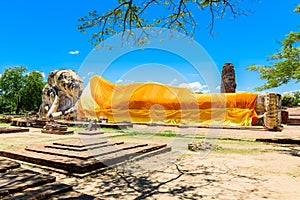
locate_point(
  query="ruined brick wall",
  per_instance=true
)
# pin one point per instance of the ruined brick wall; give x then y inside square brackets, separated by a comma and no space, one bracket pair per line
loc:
[228,84]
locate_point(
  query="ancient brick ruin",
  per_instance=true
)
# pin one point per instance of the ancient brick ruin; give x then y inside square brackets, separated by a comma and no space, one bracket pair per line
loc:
[228,84]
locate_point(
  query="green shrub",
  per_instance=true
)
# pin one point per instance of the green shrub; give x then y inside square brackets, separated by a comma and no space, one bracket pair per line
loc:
[287,100]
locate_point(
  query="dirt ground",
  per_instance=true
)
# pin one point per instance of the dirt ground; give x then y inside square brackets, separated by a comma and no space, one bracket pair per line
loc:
[236,168]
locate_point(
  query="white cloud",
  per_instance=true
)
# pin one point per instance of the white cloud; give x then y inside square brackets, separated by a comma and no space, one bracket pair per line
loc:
[205,91]
[173,81]
[218,87]
[290,92]
[293,91]
[74,52]
[120,81]
[0,75]
[43,74]
[90,73]
[194,86]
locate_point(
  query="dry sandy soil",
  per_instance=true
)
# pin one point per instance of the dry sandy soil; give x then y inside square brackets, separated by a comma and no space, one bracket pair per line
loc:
[236,168]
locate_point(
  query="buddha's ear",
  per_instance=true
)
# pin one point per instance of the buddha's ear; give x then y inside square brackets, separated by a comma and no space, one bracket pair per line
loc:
[51,79]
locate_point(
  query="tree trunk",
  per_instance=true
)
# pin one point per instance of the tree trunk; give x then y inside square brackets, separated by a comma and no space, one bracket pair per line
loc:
[19,105]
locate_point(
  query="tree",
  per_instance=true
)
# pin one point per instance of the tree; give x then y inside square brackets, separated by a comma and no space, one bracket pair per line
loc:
[291,99]
[32,92]
[287,99]
[296,95]
[286,66]
[19,91]
[172,14]
[12,84]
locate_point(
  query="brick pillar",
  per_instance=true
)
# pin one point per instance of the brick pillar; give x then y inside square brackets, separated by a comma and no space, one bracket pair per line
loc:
[228,84]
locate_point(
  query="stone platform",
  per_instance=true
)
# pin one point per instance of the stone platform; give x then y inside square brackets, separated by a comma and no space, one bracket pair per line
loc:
[23,184]
[99,125]
[57,132]
[293,120]
[78,159]
[293,116]
[6,165]
[279,140]
[115,125]
[94,132]
[7,129]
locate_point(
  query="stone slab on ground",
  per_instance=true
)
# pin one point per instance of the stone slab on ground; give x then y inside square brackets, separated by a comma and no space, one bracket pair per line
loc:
[95,156]
[20,122]
[81,147]
[74,123]
[115,125]
[124,157]
[59,152]
[38,123]
[296,152]
[279,140]
[7,129]
[73,195]
[54,161]
[99,125]
[87,154]
[90,132]
[21,179]
[294,116]
[6,164]
[293,121]
[25,184]
[57,132]
[41,192]
[78,143]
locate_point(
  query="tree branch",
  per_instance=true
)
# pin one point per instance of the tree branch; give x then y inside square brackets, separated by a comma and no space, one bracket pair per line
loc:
[131,14]
[147,5]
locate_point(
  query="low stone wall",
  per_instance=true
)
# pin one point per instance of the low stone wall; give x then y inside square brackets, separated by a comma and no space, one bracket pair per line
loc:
[268,108]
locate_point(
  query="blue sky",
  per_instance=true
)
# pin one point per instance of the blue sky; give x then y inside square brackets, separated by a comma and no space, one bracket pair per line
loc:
[43,36]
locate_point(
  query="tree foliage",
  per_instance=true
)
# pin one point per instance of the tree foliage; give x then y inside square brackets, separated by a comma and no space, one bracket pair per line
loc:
[11,84]
[291,99]
[19,91]
[32,92]
[286,65]
[172,14]
[296,95]
[287,99]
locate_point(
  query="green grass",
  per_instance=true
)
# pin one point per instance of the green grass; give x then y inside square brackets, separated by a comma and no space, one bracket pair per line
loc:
[166,133]
[5,124]
[228,150]
[238,141]
[135,133]
[232,146]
